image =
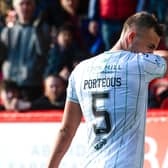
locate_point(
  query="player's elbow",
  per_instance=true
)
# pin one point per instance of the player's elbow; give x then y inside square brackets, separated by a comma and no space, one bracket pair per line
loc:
[66,132]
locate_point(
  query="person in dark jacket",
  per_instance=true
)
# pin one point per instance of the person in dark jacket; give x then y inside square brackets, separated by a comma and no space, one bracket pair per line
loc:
[64,54]
[53,96]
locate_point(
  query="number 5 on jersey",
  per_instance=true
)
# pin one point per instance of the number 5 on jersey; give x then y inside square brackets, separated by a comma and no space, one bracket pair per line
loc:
[101,113]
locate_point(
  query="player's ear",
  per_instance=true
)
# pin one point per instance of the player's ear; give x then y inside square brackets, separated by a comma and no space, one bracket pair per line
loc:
[131,37]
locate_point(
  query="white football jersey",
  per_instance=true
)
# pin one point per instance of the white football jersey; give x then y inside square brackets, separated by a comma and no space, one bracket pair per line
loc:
[112,90]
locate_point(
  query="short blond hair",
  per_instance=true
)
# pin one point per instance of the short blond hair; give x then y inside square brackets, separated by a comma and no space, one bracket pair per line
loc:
[144,20]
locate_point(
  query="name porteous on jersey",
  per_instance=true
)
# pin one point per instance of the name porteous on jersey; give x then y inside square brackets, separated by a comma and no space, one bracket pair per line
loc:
[102,82]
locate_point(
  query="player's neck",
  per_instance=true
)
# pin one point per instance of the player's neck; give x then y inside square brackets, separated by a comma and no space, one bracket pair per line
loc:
[118,46]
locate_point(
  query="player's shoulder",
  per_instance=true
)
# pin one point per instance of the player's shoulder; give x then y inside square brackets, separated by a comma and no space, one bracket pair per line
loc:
[152,58]
[89,61]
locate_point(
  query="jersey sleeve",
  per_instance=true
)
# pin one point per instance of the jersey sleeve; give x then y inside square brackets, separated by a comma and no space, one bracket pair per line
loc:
[71,90]
[154,66]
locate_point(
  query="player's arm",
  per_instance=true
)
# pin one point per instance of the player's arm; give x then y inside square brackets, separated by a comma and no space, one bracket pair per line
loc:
[164,54]
[71,120]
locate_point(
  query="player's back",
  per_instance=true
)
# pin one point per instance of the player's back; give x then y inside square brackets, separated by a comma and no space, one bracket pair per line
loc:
[112,91]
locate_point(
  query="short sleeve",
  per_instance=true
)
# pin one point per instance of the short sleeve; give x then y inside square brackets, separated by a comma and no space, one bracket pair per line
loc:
[71,90]
[154,66]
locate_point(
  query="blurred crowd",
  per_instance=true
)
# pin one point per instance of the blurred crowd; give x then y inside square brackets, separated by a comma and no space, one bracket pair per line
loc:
[41,41]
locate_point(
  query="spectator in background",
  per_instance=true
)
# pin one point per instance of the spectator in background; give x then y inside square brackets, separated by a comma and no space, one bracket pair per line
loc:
[10,18]
[54,94]
[56,9]
[93,39]
[111,14]
[53,97]
[9,92]
[64,54]
[67,11]
[71,17]
[61,12]
[26,45]
[2,14]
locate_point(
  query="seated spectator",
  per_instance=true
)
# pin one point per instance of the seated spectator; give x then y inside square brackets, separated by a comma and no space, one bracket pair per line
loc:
[64,54]
[8,94]
[54,94]
[53,98]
